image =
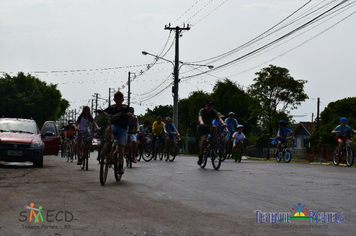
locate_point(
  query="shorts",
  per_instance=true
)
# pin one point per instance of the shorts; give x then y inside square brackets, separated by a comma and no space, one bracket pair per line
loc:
[203,130]
[133,137]
[344,138]
[170,136]
[120,134]
[86,136]
[237,141]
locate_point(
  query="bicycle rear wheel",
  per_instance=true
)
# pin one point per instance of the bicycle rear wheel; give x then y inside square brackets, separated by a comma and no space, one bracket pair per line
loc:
[159,150]
[173,151]
[215,158]
[336,158]
[116,168]
[287,156]
[349,155]
[222,150]
[104,163]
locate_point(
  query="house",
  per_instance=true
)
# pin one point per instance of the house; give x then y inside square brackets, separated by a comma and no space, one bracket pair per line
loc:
[302,132]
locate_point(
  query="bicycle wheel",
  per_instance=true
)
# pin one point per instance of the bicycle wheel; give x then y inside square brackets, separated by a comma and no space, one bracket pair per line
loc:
[67,153]
[215,158]
[287,156]
[336,158]
[160,151]
[279,156]
[146,152]
[116,168]
[104,164]
[173,151]
[138,152]
[238,155]
[228,150]
[222,150]
[205,157]
[349,155]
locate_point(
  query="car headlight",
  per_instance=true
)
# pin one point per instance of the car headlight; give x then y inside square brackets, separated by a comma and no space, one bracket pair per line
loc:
[36,144]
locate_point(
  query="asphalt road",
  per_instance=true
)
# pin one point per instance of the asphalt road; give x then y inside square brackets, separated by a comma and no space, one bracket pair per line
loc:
[178,198]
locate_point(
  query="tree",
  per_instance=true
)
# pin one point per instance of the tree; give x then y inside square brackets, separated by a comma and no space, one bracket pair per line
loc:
[278,93]
[25,96]
[151,115]
[228,96]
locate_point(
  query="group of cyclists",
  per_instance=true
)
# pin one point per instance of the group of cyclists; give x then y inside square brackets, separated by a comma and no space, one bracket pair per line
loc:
[127,124]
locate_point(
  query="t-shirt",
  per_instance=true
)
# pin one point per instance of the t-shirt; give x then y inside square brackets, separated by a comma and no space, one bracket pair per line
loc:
[84,124]
[231,124]
[132,123]
[238,136]
[143,130]
[122,120]
[343,131]
[208,117]
[170,128]
[70,130]
[158,128]
[283,133]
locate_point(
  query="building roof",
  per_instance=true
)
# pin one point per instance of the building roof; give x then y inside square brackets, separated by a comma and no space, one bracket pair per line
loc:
[308,126]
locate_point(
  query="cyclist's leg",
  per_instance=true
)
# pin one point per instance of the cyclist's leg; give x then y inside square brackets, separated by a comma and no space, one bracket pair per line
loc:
[134,146]
[121,135]
[79,143]
[234,146]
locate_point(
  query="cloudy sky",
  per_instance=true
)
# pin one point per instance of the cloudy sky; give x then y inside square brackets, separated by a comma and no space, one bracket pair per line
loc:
[89,46]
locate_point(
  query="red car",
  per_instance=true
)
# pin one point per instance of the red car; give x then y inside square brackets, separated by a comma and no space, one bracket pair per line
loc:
[21,140]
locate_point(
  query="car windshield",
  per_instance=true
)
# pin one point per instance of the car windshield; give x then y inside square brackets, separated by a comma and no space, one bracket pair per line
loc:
[18,126]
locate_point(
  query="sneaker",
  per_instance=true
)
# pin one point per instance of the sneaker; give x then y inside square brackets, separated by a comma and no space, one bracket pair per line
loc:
[120,170]
[134,160]
[200,161]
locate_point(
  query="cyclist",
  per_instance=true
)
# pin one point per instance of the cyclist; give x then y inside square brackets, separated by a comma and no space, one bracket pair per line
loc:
[231,123]
[157,130]
[283,132]
[206,117]
[133,125]
[143,130]
[82,124]
[239,137]
[169,130]
[119,125]
[102,137]
[69,134]
[341,131]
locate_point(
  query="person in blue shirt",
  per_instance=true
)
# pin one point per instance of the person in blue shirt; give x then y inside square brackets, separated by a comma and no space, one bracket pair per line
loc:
[341,133]
[283,132]
[231,123]
[170,130]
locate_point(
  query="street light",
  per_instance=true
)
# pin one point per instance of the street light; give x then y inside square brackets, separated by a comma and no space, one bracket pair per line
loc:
[176,80]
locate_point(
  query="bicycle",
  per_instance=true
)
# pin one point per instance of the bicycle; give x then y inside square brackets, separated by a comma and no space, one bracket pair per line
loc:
[128,149]
[284,152]
[157,149]
[145,149]
[212,151]
[237,154]
[85,149]
[69,150]
[349,154]
[228,152]
[109,155]
[173,149]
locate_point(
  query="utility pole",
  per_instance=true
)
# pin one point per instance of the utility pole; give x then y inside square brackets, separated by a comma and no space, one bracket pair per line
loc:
[178,30]
[129,90]
[317,116]
[109,96]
